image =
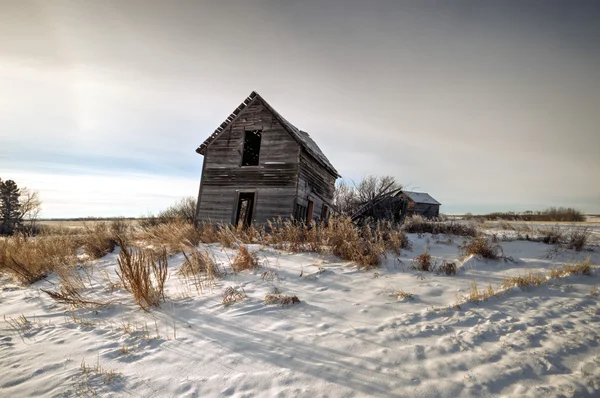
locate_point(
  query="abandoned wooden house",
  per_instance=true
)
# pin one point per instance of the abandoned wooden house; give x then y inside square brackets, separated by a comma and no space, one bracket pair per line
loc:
[420,203]
[258,167]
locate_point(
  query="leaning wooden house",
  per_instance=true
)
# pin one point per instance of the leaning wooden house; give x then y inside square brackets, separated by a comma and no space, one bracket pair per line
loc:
[258,166]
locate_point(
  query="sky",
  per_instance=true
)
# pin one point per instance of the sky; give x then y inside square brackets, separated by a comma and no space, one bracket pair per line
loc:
[486,105]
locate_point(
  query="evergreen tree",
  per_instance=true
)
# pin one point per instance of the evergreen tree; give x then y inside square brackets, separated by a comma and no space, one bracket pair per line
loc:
[10,208]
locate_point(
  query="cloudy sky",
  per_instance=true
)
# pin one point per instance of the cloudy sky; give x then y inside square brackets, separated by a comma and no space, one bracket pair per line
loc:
[487,105]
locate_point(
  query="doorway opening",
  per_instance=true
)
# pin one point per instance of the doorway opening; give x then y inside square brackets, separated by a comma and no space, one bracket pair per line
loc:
[245,208]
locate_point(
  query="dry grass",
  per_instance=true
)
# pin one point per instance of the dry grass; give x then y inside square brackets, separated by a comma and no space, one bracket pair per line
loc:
[477,295]
[73,298]
[595,291]
[143,273]
[581,268]
[448,268]
[232,296]
[174,236]
[200,269]
[28,259]
[483,247]
[277,298]
[423,262]
[402,295]
[244,260]
[420,225]
[98,240]
[524,281]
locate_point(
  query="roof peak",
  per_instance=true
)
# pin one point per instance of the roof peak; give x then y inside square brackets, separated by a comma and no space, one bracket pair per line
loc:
[302,137]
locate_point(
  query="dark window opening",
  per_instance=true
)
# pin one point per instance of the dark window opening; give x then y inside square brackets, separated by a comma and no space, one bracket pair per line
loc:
[309,211]
[251,148]
[245,208]
[300,212]
[324,213]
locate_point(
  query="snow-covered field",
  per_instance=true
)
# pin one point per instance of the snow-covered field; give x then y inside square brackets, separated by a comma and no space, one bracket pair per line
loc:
[350,335]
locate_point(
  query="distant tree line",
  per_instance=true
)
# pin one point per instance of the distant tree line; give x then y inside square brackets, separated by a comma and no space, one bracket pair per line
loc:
[567,214]
[19,208]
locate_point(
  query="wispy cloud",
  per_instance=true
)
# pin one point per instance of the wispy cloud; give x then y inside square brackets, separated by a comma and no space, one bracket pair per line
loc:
[487,106]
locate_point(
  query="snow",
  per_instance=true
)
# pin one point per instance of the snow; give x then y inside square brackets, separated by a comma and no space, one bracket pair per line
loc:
[349,336]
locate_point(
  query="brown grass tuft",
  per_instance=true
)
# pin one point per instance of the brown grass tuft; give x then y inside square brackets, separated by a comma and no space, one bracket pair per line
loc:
[481,246]
[28,260]
[422,262]
[447,268]
[143,273]
[98,240]
[277,298]
[402,295]
[200,269]
[524,281]
[581,268]
[477,295]
[244,260]
[231,295]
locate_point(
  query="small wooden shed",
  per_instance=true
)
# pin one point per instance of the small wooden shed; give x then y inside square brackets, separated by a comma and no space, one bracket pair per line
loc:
[258,166]
[421,203]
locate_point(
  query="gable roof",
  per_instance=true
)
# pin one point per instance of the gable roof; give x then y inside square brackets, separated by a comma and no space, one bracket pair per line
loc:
[421,197]
[301,137]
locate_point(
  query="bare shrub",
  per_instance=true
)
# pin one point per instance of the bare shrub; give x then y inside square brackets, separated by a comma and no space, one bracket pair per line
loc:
[244,260]
[231,295]
[143,273]
[420,225]
[448,268]
[200,269]
[552,235]
[483,247]
[577,239]
[422,262]
[30,259]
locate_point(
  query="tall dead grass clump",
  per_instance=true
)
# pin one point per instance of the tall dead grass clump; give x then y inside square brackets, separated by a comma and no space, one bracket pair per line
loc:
[98,240]
[200,269]
[29,259]
[483,247]
[174,236]
[143,273]
[244,260]
[363,246]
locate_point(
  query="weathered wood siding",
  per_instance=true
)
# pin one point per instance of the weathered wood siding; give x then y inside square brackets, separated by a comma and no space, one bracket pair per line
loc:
[314,183]
[274,180]
[423,209]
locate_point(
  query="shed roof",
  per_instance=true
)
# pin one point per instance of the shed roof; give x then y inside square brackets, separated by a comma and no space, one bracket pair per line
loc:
[300,136]
[421,197]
